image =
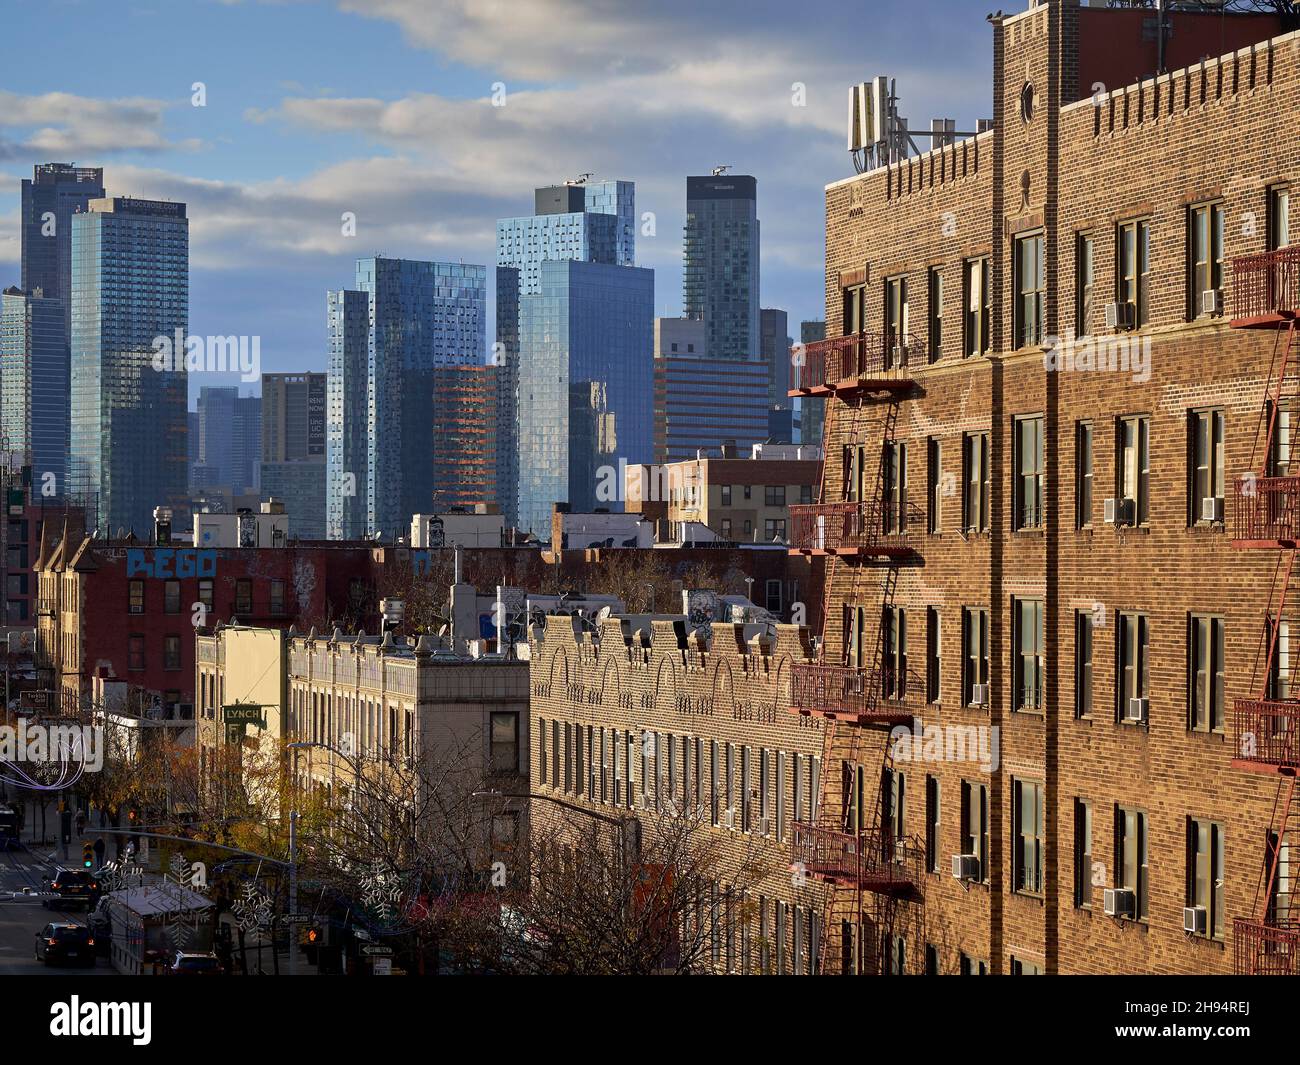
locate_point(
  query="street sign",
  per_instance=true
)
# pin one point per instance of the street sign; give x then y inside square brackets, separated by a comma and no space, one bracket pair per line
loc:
[378,951]
[244,714]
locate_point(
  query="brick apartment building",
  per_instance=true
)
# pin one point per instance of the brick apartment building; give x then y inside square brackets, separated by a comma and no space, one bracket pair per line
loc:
[1025,544]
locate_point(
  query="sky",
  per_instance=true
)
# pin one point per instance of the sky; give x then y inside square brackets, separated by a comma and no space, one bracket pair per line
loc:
[384,108]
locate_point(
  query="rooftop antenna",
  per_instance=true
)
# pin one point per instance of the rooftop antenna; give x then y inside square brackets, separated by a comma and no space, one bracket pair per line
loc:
[721,171]
[581,179]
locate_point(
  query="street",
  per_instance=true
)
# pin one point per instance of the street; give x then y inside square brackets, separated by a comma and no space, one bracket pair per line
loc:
[22,916]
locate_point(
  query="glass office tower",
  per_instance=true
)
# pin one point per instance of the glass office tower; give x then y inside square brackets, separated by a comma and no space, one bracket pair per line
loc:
[34,388]
[130,428]
[720,271]
[346,418]
[54,193]
[586,384]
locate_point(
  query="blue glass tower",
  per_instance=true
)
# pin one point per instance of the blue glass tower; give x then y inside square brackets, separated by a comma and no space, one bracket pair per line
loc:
[346,404]
[129,432]
[34,387]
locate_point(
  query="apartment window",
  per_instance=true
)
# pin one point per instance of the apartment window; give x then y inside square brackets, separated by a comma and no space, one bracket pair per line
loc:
[934,484]
[1083,475]
[555,757]
[749,528]
[772,598]
[715,794]
[542,737]
[1133,260]
[897,956]
[135,652]
[172,597]
[135,597]
[774,495]
[897,324]
[780,795]
[726,495]
[1027,816]
[977,299]
[1020,967]
[277,597]
[1279,457]
[1131,672]
[1131,856]
[504,728]
[895,787]
[773,529]
[1205,646]
[805,493]
[243,596]
[1279,218]
[207,595]
[1082,855]
[895,678]
[976,479]
[932,819]
[1083,663]
[855,309]
[1029,473]
[934,286]
[1029,666]
[975,668]
[975,824]
[1205,886]
[1031,287]
[969,966]
[932,655]
[1133,468]
[1206,492]
[1205,258]
[171,652]
[726,529]
[931,960]
[1085,285]
[895,458]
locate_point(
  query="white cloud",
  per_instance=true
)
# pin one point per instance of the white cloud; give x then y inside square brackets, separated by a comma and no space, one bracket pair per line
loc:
[59,124]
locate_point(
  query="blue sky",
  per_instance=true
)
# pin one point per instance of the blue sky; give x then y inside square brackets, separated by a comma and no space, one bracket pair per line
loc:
[382,108]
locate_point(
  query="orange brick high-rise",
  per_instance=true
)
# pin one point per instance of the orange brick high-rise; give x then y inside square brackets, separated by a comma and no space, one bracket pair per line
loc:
[1060,515]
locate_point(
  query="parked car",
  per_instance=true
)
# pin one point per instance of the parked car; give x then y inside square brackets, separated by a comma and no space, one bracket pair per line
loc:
[204,964]
[72,887]
[64,941]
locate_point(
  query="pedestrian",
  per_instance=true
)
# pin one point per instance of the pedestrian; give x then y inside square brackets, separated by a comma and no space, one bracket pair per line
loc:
[81,823]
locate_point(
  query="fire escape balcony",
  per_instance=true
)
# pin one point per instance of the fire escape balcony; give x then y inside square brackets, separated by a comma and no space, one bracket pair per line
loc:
[862,362]
[1268,735]
[1265,288]
[870,860]
[853,528]
[1266,948]
[1267,512]
[859,696]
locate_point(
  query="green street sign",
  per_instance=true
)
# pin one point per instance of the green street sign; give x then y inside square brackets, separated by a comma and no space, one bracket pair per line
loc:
[244,714]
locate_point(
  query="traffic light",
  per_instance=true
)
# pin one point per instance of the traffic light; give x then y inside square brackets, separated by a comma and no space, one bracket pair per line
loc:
[133,816]
[313,935]
[88,855]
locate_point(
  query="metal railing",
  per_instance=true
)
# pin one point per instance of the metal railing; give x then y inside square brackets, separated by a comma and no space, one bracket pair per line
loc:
[871,859]
[858,526]
[1263,948]
[1268,731]
[849,691]
[1267,509]
[1266,284]
[846,361]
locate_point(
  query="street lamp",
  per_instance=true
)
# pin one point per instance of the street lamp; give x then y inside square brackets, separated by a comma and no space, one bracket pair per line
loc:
[621,822]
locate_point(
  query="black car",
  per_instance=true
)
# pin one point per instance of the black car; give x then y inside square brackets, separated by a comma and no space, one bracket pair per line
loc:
[72,886]
[187,964]
[65,942]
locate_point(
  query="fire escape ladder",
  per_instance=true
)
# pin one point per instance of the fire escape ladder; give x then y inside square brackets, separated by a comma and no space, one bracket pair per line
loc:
[1282,397]
[1282,585]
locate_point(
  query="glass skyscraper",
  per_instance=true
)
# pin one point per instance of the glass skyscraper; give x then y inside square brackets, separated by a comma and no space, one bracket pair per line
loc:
[720,271]
[346,419]
[586,385]
[230,440]
[293,448]
[34,388]
[592,223]
[420,317]
[55,192]
[129,431]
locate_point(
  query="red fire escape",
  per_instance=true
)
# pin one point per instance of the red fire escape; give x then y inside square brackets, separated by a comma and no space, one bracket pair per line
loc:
[872,877]
[1266,295]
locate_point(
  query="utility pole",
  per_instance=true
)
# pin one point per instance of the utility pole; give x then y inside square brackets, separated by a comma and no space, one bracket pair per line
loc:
[293,892]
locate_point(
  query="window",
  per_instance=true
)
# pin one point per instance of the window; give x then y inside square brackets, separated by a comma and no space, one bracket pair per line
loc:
[1029,667]
[975,824]
[1205,254]
[726,495]
[206,593]
[1206,491]
[1133,469]
[975,669]
[773,529]
[505,834]
[243,596]
[932,820]
[504,753]
[1027,817]
[895,785]
[805,493]
[977,299]
[747,490]
[969,966]
[934,484]
[1083,475]
[135,652]
[1020,967]
[774,495]
[855,309]
[171,652]
[931,960]
[542,737]
[1133,258]
[172,597]
[277,597]
[894,682]
[1279,218]
[773,601]
[1082,855]
[1205,886]
[1131,671]
[895,459]
[975,477]
[897,324]
[934,285]
[1205,646]
[932,655]
[726,529]
[1085,269]
[135,595]
[1131,856]
[1083,663]
[1028,511]
[749,528]
[1031,285]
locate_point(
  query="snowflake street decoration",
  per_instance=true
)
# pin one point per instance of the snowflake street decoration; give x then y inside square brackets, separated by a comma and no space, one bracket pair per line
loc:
[380,889]
[119,876]
[253,909]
